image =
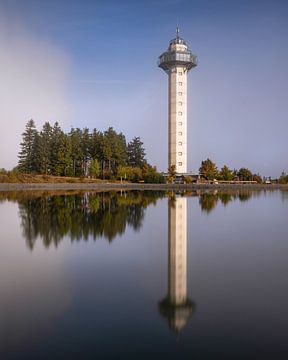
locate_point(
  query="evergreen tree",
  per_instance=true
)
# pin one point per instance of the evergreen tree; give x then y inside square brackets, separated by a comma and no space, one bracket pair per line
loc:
[113,150]
[63,163]
[27,153]
[43,149]
[85,143]
[95,145]
[55,144]
[136,152]
[77,153]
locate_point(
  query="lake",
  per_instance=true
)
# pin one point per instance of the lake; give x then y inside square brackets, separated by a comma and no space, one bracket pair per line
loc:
[143,274]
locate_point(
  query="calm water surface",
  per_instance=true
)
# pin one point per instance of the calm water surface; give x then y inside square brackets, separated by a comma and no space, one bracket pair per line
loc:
[140,275]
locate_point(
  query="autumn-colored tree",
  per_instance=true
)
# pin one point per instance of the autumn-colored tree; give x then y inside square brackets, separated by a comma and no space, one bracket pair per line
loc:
[208,169]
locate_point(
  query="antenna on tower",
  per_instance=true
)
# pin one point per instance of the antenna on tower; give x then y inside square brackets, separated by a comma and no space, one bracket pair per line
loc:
[177,28]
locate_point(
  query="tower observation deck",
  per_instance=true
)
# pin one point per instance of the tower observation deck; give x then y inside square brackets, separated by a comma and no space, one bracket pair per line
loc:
[176,62]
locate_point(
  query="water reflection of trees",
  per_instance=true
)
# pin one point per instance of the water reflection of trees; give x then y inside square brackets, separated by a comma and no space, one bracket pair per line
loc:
[209,200]
[82,216]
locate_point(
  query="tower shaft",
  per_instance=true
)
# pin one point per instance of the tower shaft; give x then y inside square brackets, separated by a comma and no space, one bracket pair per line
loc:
[177,118]
[176,62]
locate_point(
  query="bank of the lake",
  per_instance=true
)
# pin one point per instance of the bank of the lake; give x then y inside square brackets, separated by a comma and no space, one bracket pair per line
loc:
[132,186]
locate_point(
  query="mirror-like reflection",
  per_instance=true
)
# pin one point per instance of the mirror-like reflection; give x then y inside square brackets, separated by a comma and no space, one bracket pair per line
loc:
[52,217]
[226,251]
[79,215]
[176,306]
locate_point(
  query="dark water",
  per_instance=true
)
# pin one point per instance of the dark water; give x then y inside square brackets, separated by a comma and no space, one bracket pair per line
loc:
[144,275]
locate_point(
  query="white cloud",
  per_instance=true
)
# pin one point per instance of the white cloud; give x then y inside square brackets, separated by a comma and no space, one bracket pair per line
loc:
[33,84]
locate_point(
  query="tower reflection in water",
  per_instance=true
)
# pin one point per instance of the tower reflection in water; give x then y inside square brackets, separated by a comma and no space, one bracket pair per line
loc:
[176,307]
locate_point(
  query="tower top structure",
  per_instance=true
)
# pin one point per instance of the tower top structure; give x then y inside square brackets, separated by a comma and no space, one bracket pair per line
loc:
[177,54]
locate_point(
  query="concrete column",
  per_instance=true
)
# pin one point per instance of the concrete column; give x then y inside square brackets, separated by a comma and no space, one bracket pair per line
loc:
[177,113]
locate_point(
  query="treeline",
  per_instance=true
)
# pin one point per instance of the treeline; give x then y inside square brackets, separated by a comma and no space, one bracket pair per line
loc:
[209,170]
[80,152]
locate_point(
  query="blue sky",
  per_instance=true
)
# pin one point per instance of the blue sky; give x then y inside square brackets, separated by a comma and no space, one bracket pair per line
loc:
[94,64]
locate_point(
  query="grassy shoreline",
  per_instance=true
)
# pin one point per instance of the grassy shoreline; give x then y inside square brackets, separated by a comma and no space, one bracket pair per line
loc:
[98,186]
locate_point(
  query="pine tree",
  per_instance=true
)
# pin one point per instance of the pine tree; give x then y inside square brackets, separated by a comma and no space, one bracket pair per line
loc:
[136,153]
[113,150]
[55,143]
[95,145]
[27,153]
[63,164]
[77,153]
[43,149]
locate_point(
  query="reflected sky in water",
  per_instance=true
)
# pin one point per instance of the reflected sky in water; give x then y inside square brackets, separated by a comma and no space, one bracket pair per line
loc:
[103,275]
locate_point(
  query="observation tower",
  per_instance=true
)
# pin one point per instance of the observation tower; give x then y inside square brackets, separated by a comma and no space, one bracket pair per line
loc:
[176,62]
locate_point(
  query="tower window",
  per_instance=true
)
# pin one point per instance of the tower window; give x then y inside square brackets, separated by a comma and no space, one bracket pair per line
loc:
[180,163]
[180,93]
[180,153]
[180,133]
[180,103]
[179,112]
[180,123]
[180,83]
[180,143]
[180,73]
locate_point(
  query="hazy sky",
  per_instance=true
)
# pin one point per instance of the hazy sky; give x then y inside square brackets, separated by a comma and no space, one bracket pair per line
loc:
[94,64]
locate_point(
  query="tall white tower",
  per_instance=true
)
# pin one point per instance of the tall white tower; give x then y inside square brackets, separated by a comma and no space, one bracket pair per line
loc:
[176,62]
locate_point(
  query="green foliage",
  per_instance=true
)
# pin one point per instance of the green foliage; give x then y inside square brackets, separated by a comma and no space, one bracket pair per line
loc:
[55,153]
[63,150]
[208,169]
[188,179]
[27,154]
[136,153]
[122,172]
[283,179]
[226,174]
[245,174]
[113,151]
[257,177]
[43,150]
[94,168]
[77,154]
[171,173]
[136,174]
[130,173]
[151,176]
